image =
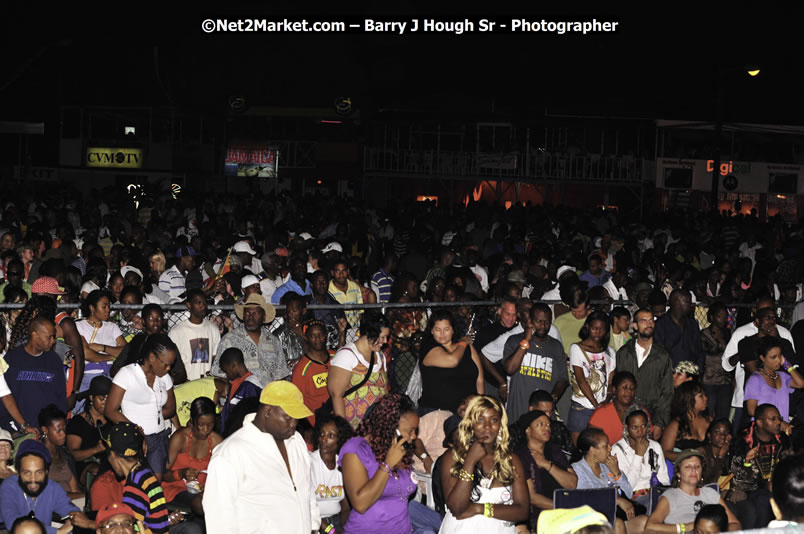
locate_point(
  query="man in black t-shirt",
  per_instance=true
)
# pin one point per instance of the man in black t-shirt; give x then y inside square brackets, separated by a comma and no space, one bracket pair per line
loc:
[490,343]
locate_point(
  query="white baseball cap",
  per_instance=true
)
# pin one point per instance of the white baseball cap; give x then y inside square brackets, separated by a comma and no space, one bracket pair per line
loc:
[243,246]
[249,280]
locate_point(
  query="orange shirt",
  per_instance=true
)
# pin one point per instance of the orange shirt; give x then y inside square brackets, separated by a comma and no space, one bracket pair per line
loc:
[311,378]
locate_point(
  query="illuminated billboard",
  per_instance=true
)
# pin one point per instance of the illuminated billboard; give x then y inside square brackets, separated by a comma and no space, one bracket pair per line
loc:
[251,161]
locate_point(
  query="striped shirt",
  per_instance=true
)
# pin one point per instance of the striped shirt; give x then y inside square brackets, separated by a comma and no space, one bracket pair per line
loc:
[172,283]
[353,295]
[143,494]
[381,283]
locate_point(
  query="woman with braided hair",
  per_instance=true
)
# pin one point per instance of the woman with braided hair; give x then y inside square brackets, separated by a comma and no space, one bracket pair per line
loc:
[377,468]
[483,481]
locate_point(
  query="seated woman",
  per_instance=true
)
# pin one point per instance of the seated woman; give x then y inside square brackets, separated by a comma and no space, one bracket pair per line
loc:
[329,435]
[545,466]
[600,469]
[610,417]
[769,384]
[446,360]
[84,434]
[188,457]
[716,451]
[376,468]
[53,424]
[640,458]
[483,482]
[753,456]
[690,420]
[676,509]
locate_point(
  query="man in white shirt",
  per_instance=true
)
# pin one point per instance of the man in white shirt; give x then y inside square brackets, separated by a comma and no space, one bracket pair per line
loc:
[259,478]
[731,360]
[197,338]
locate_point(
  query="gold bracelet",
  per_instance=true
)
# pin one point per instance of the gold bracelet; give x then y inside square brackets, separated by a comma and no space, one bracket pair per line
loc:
[465,475]
[488,509]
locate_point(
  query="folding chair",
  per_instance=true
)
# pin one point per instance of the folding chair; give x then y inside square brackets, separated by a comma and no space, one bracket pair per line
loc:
[427,478]
[655,494]
[603,500]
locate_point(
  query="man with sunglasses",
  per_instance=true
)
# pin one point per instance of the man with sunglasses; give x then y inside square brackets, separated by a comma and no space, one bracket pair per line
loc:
[15,273]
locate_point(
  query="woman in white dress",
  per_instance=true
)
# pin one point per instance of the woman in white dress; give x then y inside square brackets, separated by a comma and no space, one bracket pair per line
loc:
[484,486]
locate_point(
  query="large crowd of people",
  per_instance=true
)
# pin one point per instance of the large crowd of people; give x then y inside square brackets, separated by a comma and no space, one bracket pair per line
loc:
[534,351]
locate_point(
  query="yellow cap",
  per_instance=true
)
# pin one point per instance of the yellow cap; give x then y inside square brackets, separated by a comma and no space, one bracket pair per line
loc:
[287,396]
[568,520]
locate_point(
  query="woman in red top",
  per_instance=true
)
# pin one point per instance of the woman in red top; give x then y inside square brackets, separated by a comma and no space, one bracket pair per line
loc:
[189,455]
[311,371]
[610,417]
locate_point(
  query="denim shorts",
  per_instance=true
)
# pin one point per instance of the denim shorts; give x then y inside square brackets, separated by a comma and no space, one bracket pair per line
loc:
[579,417]
[157,456]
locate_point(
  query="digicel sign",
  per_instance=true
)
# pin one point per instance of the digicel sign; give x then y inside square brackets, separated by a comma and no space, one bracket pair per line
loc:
[120,158]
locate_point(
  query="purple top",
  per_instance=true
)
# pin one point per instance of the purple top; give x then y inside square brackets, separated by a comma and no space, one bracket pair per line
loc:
[389,515]
[757,389]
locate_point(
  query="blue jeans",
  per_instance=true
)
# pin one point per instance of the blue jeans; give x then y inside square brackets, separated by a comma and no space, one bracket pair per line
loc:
[579,417]
[424,520]
[157,456]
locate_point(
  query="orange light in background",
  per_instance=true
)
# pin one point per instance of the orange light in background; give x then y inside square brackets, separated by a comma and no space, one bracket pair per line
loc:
[508,204]
[426,198]
[781,197]
[477,192]
[319,182]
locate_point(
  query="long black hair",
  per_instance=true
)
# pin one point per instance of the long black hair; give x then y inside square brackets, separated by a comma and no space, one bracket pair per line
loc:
[597,316]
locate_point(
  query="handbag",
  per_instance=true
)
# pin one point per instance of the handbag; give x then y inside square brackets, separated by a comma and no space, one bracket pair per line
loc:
[327,408]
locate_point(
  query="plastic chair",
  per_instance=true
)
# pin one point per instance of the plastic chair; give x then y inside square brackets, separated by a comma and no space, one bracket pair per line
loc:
[655,494]
[603,500]
[427,478]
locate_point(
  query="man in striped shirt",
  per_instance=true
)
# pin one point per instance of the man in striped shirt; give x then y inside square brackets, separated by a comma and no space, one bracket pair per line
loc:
[172,280]
[142,491]
[383,279]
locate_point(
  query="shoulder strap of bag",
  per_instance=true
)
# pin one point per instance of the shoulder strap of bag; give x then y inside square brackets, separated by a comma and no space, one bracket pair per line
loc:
[365,378]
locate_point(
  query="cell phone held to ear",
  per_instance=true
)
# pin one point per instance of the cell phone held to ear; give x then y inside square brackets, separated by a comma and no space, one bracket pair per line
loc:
[407,445]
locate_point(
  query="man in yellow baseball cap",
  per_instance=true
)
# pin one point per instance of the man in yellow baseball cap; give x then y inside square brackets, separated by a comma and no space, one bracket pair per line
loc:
[259,477]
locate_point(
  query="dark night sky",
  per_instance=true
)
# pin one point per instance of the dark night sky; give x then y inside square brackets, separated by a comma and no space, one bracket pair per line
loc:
[662,63]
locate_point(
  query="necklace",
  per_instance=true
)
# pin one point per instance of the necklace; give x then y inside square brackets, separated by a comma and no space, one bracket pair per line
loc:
[764,372]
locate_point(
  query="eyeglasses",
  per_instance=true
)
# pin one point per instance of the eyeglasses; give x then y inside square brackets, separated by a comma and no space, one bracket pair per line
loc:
[127,524]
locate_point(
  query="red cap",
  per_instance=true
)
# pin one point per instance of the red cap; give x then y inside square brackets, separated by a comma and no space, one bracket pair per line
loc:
[113,510]
[46,285]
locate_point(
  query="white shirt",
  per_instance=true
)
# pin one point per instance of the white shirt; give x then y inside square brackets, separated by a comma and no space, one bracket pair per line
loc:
[349,357]
[327,486]
[600,362]
[731,349]
[641,354]
[637,468]
[142,405]
[616,294]
[482,277]
[249,490]
[268,286]
[172,283]
[198,344]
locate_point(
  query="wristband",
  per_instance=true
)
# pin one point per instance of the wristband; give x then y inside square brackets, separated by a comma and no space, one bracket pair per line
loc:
[683,528]
[524,345]
[329,528]
[678,529]
[550,468]
[385,467]
[488,509]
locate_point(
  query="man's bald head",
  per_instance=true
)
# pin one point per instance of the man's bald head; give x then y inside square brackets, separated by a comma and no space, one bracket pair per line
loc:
[41,336]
